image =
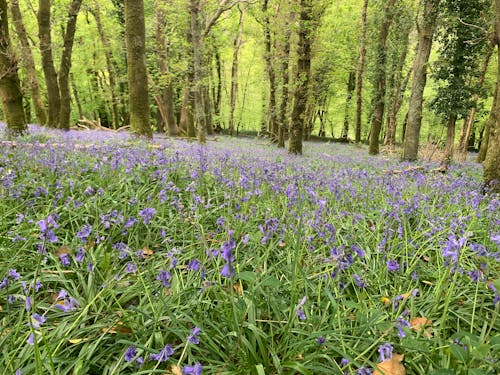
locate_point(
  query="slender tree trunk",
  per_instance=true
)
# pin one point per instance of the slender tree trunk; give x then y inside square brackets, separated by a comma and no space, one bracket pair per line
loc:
[135,32]
[76,96]
[64,70]
[397,97]
[450,140]
[285,62]
[186,122]
[51,82]
[360,73]
[96,12]
[302,79]
[465,133]
[10,87]
[194,8]
[425,35]
[166,101]
[486,131]
[268,56]
[29,63]
[351,86]
[491,162]
[380,79]
[234,70]
[218,91]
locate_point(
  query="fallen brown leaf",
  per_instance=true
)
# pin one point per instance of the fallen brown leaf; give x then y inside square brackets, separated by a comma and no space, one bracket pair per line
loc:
[391,366]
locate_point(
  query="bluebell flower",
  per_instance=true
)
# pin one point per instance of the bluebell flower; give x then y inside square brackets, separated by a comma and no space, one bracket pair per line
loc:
[164,278]
[392,265]
[163,355]
[147,215]
[385,351]
[130,353]
[193,370]
[227,270]
[14,274]
[193,336]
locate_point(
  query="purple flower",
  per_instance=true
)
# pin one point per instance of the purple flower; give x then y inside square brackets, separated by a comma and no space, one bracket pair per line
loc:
[14,274]
[31,339]
[4,283]
[385,351]
[193,336]
[163,355]
[18,371]
[364,371]
[28,303]
[344,362]
[193,370]
[37,320]
[130,353]
[496,239]
[164,278]
[227,270]
[321,340]
[65,260]
[147,214]
[194,265]
[359,282]
[84,233]
[392,265]
[226,250]
[131,268]
[400,323]
[67,305]
[80,254]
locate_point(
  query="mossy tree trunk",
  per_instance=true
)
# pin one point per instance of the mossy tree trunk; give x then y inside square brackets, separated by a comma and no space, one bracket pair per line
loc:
[425,36]
[10,89]
[65,68]
[302,78]
[234,70]
[380,77]
[285,80]
[492,160]
[28,62]
[49,70]
[135,33]
[268,57]
[360,73]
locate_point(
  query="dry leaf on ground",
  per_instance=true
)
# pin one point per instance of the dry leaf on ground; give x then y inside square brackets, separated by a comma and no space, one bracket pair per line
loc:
[392,366]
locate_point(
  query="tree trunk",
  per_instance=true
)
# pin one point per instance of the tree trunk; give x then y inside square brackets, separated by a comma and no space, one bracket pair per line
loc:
[136,68]
[491,162]
[360,73]
[483,148]
[194,8]
[450,140]
[351,85]
[186,122]
[218,92]
[397,97]
[463,142]
[166,95]
[234,70]
[76,96]
[285,62]
[380,80]
[10,87]
[268,56]
[64,69]
[302,78]
[425,35]
[49,70]
[96,12]
[29,63]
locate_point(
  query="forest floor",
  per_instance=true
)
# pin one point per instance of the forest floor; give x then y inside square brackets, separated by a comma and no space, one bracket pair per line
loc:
[127,256]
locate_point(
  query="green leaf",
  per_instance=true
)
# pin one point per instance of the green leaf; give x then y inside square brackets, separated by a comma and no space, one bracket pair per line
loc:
[260,369]
[459,353]
[476,371]
[496,284]
[443,371]
[480,351]
[495,340]
[247,276]
[271,281]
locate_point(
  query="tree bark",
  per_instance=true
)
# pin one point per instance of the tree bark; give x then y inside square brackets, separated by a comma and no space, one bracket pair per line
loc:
[380,80]
[450,140]
[76,96]
[360,73]
[285,62]
[194,9]
[10,88]
[463,142]
[136,68]
[166,92]
[268,56]
[96,12]
[425,36]
[49,70]
[302,78]
[218,91]
[234,70]
[491,163]
[351,86]
[486,131]
[64,69]
[29,63]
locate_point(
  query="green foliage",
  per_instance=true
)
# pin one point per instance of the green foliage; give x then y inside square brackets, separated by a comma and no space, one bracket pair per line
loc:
[462,39]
